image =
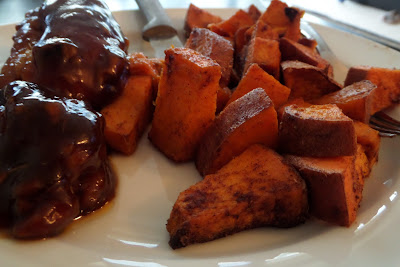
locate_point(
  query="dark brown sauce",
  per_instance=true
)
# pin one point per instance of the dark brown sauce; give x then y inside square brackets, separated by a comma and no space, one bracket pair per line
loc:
[53,161]
[73,46]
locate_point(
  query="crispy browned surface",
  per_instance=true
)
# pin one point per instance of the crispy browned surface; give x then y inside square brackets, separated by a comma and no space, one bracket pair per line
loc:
[370,141]
[255,189]
[229,27]
[354,100]
[198,18]
[265,53]
[214,46]
[334,187]
[285,20]
[291,50]
[127,116]
[256,77]
[317,131]
[307,81]
[387,82]
[186,102]
[249,120]
[223,95]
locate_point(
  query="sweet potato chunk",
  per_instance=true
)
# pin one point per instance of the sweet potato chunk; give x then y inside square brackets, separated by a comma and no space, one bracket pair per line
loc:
[229,27]
[214,46]
[291,50]
[285,20]
[262,30]
[307,81]
[254,12]
[317,131]
[266,54]
[299,102]
[241,39]
[354,100]
[139,64]
[362,165]
[256,77]
[310,43]
[249,120]
[255,189]
[185,104]
[198,18]
[127,116]
[387,82]
[223,96]
[334,187]
[369,139]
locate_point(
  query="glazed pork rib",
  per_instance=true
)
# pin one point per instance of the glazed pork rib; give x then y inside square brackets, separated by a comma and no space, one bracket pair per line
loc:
[53,161]
[73,46]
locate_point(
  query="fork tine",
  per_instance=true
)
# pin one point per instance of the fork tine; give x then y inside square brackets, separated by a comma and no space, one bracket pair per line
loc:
[384,132]
[385,124]
[389,120]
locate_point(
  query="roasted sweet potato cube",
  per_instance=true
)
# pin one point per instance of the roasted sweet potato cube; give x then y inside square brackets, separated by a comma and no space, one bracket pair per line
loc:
[354,100]
[310,43]
[229,27]
[256,77]
[361,164]
[255,189]
[198,18]
[214,46]
[241,39]
[317,131]
[249,120]
[334,187]
[223,96]
[299,102]
[266,54]
[387,82]
[285,20]
[139,64]
[254,12]
[369,139]
[291,50]
[127,117]
[307,81]
[262,30]
[185,104]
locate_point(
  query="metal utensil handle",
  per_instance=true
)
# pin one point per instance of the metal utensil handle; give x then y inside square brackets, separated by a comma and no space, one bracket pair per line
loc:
[158,25]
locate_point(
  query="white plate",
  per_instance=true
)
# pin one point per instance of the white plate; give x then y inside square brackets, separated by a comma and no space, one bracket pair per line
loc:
[131,230]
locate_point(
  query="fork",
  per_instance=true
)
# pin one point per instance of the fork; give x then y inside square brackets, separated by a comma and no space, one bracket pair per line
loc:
[380,121]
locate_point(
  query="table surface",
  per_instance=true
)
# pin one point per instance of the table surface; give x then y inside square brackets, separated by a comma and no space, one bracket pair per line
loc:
[355,14]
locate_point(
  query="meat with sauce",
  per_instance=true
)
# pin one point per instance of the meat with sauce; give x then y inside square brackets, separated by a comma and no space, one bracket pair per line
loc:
[53,161]
[73,46]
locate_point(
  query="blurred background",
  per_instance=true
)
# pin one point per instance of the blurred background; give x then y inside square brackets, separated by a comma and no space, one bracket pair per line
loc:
[373,16]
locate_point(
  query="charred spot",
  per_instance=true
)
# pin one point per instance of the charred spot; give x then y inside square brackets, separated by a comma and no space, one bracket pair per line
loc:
[176,240]
[195,200]
[247,197]
[169,62]
[291,13]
